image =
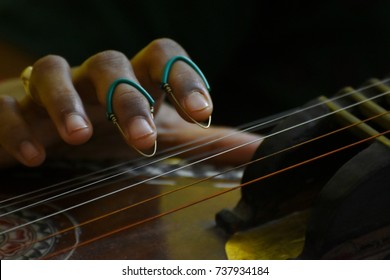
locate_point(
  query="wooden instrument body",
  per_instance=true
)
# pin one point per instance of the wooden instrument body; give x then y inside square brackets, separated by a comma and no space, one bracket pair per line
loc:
[142,215]
[190,233]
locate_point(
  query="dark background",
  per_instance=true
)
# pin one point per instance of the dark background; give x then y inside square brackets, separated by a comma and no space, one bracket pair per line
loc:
[261,57]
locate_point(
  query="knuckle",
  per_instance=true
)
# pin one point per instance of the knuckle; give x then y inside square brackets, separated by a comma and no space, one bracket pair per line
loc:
[62,95]
[64,101]
[49,63]
[130,98]
[107,60]
[163,45]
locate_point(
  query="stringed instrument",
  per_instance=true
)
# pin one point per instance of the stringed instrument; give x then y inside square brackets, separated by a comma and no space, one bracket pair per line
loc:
[318,187]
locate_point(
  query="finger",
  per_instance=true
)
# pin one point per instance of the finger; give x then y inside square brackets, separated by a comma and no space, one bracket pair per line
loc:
[15,135]
[131,108]
[51,85]
[188,87]
[222,145]
[229,146]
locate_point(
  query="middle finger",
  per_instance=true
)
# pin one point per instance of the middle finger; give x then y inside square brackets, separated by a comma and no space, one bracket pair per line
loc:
[131,108]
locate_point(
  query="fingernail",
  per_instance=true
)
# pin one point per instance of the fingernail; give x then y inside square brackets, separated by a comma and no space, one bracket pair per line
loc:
[75,123]
[139,128]
[196,102]
[28,151]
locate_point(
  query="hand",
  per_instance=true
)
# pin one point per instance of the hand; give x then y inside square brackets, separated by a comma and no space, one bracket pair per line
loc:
[65,115]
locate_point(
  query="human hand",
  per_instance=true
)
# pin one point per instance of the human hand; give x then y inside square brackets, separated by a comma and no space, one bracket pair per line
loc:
[68,106]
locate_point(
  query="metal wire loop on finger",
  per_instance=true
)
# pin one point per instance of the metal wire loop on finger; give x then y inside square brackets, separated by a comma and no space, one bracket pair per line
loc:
[110,108]
[168,89]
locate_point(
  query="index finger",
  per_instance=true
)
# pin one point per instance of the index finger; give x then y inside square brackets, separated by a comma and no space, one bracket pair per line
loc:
[110,72]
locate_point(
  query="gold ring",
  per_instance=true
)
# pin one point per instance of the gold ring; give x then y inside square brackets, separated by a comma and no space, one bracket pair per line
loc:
[25,77]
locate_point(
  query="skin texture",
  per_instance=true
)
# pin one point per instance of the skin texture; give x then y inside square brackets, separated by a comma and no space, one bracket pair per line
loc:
[64,114]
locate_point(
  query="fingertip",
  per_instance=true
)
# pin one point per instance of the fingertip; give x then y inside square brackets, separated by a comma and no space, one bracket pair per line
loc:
[78,130]
[198,106]
[196,102]
[32,155]
[141,133]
